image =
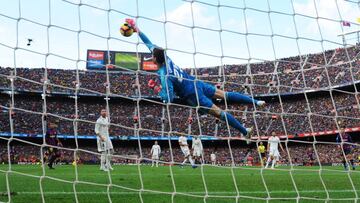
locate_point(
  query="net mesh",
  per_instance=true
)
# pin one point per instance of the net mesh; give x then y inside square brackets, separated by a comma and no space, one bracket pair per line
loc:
[270,75]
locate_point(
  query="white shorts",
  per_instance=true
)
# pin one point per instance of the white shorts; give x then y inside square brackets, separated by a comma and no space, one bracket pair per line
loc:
[185,151]
[274,152]
[197,153]
[155,157]
[104,145]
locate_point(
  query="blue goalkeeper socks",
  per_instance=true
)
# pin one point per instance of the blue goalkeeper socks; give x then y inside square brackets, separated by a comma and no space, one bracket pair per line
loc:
[233,122]
[239,98]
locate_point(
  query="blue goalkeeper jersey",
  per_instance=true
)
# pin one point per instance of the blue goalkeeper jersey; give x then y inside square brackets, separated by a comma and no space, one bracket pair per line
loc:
[173,78]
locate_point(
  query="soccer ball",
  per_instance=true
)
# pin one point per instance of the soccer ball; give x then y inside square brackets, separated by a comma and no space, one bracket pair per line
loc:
[126,30]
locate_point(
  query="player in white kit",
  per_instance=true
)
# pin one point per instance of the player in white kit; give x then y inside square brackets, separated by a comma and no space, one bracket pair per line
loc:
[104,144]
[155,154]
[213,158]
[197,149]
[186,151]
[273,151]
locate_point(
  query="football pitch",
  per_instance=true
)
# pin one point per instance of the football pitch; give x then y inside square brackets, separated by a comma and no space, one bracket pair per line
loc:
[145,184]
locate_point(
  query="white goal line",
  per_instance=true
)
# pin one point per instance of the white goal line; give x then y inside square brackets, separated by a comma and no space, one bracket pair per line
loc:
[195,193]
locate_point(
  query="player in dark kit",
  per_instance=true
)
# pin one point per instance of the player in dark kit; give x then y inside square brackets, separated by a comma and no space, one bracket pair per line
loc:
[344,139]
[310,155]
[52,140]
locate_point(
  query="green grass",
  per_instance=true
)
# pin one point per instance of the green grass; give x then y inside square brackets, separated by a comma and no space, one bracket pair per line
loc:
[221,183]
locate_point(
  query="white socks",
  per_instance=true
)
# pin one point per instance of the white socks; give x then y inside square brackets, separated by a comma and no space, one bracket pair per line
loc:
[105,161]
[191,161]
[102,160]
[273,163]
[267,162]
[108,159]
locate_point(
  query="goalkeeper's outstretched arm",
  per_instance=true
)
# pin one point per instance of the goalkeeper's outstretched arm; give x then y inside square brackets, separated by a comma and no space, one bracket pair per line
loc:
[142,36]
[166,89]
[147,41]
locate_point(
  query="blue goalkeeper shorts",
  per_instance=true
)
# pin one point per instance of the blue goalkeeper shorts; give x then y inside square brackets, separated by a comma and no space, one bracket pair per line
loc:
[205,92]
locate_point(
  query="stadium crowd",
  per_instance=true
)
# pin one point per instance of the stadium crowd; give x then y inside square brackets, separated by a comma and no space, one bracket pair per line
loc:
[293,74]
[319,113]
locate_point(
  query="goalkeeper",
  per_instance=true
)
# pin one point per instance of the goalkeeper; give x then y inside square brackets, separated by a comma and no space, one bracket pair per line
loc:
[194,92]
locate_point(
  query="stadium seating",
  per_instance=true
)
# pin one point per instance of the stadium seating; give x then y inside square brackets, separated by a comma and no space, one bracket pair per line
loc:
[341,66]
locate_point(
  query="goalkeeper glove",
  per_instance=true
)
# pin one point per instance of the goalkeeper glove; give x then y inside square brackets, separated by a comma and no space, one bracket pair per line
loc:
[151,83]
[157,89]
[132,23]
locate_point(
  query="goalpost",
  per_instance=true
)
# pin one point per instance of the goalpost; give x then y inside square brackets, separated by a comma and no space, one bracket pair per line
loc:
[350,33]
[331,69]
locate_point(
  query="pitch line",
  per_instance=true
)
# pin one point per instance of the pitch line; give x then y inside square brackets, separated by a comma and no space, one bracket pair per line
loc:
[195,193]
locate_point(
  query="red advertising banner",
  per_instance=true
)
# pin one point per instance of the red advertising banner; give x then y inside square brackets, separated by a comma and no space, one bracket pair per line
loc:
[149,66]
[97,55]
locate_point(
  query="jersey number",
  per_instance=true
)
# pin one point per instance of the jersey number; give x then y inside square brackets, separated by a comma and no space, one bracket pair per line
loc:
[178,74]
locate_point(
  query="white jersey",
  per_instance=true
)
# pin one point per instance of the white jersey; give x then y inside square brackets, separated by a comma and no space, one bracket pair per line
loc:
[212,157]
[197,147]
[183,141]
[184,145]
[274,142]
[102,129]
[155,150]
[196,144]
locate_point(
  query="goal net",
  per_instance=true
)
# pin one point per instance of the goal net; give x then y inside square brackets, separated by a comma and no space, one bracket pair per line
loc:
[63,61]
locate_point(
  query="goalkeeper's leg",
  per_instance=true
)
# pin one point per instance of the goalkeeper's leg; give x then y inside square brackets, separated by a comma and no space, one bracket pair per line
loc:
[209,107]
[203,99]
[227,117]
[236,97]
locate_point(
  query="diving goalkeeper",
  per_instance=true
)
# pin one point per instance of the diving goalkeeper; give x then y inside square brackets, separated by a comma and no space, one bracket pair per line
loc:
[175,81]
